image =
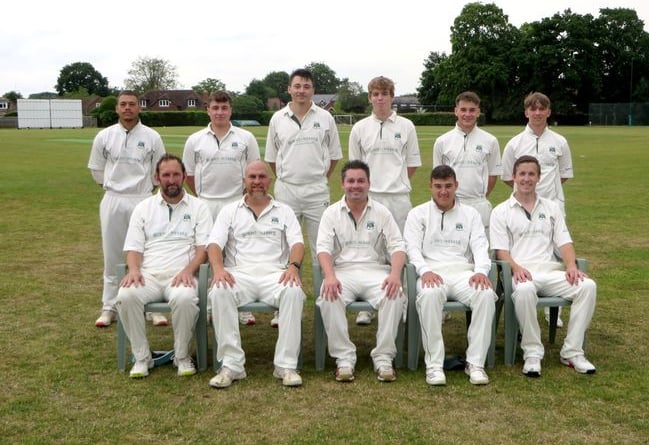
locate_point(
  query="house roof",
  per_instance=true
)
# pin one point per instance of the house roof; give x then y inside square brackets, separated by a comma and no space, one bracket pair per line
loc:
[173,96]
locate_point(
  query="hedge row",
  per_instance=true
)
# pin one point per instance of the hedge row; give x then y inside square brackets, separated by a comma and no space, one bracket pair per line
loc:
[200,118]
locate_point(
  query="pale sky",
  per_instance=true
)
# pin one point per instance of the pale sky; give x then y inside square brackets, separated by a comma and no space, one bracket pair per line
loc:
[237,41]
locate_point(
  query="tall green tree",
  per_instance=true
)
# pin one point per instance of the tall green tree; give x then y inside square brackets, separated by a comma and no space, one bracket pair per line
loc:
[150,73]
[434,81]
[623,47]
[77,76]
[326,81]
[278,82]
[247,106]
[482,40]
[257,88]
[558,56]
[208,86]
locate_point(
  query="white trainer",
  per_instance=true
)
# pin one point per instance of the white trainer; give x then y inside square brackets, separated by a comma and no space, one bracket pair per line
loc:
[289,377]
[141,368]
[158,319]
[105,319]
[364,318]
[477,374]
[579,363]
[274,322]
[225,377]
[532,367]
[185,366]
[247,319]
[435,376]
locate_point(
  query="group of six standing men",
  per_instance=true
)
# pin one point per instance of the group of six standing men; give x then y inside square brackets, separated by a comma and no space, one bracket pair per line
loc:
[255,247]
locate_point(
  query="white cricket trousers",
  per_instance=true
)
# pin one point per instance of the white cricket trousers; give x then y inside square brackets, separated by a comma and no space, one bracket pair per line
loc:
[397,203]
[362,283]
[308,202]
[257,283]
[183,301]
[553,283]
[114,214]
[430,303]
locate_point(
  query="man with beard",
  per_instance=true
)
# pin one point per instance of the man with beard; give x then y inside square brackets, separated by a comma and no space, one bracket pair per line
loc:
[165,246]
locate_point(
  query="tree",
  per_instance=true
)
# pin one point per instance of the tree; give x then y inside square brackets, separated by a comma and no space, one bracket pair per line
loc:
[149,73]
[278,82]
[257,88]
[326,81]
[247,106]
[12,96]
[432,80]
[208,86]
[351,98]
[482,40]
[78,75]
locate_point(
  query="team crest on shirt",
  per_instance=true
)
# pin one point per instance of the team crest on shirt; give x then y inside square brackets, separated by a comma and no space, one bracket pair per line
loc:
[542,216]
[235,145]
[478,148]
[552,150]
[274,220]
[316,125]
[459,227]
[140,144]
[187,217]
[370,225]
[397,136]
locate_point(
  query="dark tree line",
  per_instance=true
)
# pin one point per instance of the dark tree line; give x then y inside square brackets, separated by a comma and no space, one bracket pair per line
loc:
[574,59]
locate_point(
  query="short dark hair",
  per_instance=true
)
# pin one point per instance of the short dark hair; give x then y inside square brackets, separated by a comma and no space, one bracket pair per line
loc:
[303,73]
[356,164]
[219,96]
[128,93]
[527,159]
[443,172]
[169,157]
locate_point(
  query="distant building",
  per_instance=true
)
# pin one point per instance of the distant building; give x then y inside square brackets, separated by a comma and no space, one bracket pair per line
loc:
[6,106]
[326,101]
[172,100]
[407,103]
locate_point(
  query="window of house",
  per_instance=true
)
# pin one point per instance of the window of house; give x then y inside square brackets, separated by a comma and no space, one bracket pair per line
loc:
[164,103]
[191,103]
[4,105]
[142,103]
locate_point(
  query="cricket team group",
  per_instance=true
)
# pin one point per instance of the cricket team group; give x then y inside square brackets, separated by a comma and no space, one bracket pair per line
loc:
[254,244]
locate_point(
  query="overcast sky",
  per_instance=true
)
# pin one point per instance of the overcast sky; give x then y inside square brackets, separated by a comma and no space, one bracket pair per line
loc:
[237,41]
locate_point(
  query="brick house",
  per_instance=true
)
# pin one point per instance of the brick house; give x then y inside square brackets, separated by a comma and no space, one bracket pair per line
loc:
[172,100]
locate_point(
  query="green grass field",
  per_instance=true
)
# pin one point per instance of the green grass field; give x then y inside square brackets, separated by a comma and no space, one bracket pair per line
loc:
[61,384]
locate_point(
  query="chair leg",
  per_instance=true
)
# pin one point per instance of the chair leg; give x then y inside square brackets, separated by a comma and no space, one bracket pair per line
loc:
[554,315]
[320,339]
[121,346]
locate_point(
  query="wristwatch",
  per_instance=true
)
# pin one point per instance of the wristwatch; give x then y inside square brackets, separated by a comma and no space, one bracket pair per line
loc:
[296,264]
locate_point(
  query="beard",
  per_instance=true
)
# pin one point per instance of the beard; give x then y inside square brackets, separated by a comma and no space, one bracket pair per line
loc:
[172,191]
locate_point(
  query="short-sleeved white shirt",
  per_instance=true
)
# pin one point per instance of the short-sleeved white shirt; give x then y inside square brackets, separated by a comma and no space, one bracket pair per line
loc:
[167,234]
[302,153]
[127,158]
[219,165]
[371,240]
[529,240]
[246,239]
[553,153]
[455,238]
[474,156]
[389,147]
